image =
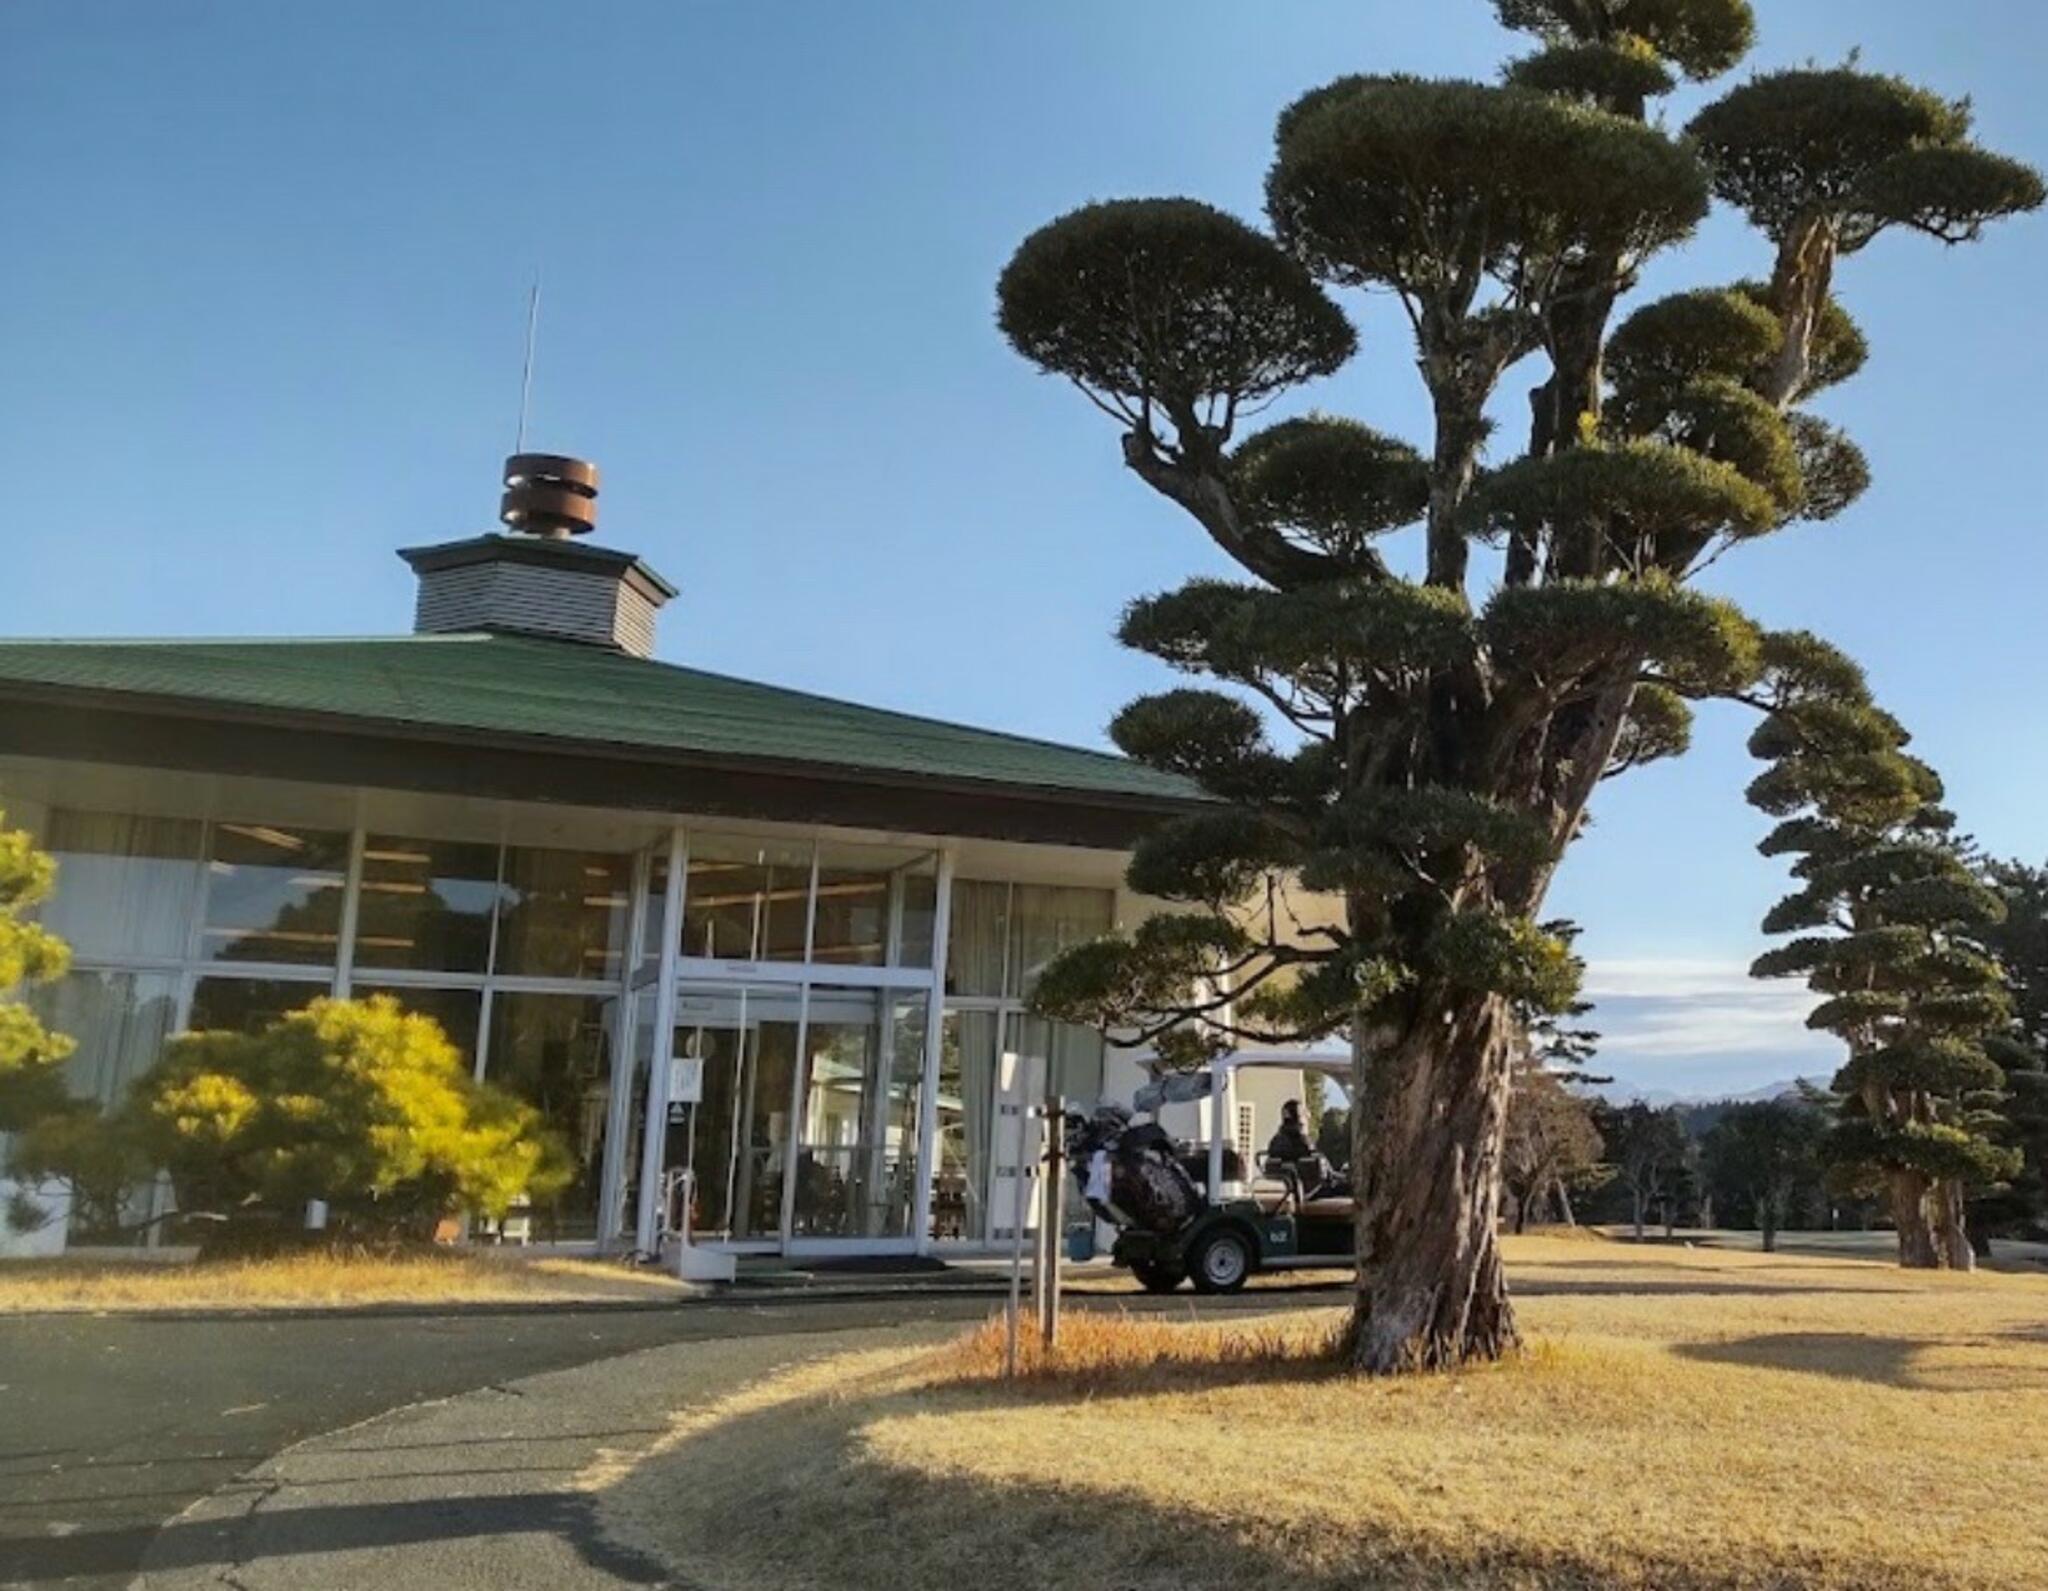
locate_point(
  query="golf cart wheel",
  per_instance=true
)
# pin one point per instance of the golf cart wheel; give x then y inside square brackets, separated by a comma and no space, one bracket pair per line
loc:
[1221,1262]
[1155,1278]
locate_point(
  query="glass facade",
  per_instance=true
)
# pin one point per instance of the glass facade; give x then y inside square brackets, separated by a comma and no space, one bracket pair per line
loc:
[427,905]
[274,894]
[746,900]
[555,1052]
[126,885]
[118,1021]
[563,914]
[810,1083]
[999,937]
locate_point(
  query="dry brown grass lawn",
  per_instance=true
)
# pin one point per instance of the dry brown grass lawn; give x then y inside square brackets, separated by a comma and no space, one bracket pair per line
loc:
[316,1281]
[1685,1418]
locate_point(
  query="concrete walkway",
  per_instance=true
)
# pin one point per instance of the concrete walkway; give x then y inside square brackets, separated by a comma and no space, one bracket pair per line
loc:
[478,1491]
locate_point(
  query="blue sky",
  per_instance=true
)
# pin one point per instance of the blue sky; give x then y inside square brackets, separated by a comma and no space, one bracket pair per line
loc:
[261,311]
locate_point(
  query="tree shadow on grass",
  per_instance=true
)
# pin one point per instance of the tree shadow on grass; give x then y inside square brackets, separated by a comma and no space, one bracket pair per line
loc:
[1623,1287]
[1882,1361]
[798,1494]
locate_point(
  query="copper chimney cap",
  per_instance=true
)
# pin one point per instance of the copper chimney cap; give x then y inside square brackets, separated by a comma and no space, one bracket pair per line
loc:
[549,495]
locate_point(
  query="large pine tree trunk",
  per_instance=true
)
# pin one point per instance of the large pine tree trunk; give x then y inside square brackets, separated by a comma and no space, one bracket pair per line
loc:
[1953,1249]
[1431,1293]
[1908,1191]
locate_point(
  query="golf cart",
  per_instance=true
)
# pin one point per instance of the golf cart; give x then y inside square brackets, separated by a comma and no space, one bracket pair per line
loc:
[1183,1216]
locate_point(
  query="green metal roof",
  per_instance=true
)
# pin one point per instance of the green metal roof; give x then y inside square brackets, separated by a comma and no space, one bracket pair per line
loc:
[559,690]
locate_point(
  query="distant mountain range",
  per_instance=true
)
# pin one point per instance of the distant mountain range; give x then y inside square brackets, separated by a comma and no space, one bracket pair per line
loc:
[1620,1093]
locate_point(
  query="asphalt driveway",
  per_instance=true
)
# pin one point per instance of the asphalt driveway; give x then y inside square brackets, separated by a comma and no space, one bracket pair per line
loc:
[113,1425]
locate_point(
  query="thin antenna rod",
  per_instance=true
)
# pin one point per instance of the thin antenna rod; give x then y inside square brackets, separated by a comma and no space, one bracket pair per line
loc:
[526,369]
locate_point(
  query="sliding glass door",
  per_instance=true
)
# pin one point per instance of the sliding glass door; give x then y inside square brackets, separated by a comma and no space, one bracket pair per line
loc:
[856,1166]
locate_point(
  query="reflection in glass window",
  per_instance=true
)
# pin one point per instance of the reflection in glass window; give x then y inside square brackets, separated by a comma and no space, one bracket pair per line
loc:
[125,885]
[653,939]
[746,900]
[274,894]
[426,904]
[875,907]
[1046,919]
[247,1005]
[563,914]
[119,1021]
[554,1052]
[977,937]
[459,1012]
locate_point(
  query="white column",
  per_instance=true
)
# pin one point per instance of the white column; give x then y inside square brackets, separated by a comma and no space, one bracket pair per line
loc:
[934,1035]
[656,1134]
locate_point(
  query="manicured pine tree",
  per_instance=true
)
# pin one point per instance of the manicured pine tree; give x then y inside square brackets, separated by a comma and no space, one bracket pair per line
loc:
[31,1056]
[1438,748]
[2020,942]
[1891,921]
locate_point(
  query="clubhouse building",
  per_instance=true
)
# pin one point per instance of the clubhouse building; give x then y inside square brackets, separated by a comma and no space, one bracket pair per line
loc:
[779,941]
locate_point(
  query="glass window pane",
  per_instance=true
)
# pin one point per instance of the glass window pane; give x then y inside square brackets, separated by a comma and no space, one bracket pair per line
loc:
[119,1021]
[458,1011]
[977,937]
[857,1143]
[554,1052]
[653,926]
[1047,918]
[966,1125]
[875,907]
[125,885]
[562,914]
[1065,1059]
[746,900]
[247,1005]
[274,894]
[426,904]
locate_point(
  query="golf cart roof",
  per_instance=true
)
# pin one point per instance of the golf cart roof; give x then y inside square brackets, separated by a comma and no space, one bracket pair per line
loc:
[1322,1061]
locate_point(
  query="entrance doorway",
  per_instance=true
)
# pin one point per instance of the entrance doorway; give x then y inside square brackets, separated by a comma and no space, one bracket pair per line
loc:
[796,1112]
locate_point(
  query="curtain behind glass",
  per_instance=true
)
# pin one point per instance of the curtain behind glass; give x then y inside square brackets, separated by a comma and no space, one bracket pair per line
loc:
[125,885]
[119,1020]
[976,937]
[1046,919]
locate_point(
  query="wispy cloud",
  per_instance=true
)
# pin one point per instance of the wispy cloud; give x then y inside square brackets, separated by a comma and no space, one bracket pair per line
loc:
[1688,1024]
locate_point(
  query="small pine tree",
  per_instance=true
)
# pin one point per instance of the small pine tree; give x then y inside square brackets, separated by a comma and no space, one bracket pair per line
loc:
[31,1056]
[1890,920]
[356,1102]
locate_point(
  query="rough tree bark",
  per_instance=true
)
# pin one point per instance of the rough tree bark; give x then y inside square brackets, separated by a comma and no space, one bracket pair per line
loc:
[1953,1249]
[1431,1293]
[1908,1190]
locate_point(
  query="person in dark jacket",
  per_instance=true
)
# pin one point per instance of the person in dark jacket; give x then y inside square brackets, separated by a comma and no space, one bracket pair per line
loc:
[1290,1144]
